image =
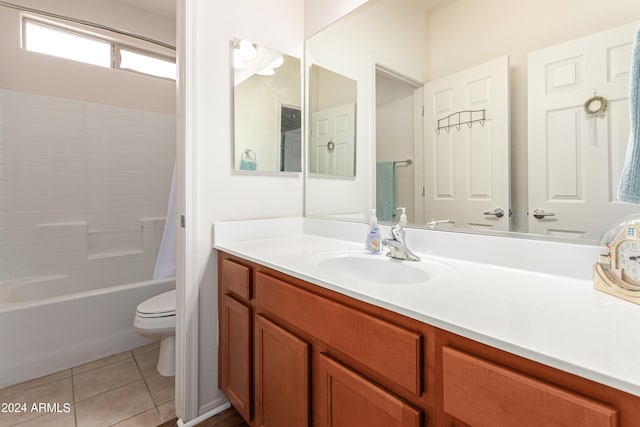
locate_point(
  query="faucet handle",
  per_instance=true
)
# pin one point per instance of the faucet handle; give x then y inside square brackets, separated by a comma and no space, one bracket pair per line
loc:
[397,232]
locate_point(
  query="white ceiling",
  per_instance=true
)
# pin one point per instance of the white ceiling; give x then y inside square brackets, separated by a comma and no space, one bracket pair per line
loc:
[435,4]
[166,8]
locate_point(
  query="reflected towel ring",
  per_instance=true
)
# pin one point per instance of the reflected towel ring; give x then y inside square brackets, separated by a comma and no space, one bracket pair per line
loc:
[596,105]
[331,146]
[248,154]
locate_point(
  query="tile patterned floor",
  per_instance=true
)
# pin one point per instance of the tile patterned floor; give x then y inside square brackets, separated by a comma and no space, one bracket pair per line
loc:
[123,390]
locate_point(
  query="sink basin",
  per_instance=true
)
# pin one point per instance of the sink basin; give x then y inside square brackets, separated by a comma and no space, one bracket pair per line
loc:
[353,266]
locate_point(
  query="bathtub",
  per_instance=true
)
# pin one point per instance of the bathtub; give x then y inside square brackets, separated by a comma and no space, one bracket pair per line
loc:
[47,324]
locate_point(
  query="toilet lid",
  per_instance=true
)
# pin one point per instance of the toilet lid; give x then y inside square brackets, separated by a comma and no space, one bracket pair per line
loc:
[159,306]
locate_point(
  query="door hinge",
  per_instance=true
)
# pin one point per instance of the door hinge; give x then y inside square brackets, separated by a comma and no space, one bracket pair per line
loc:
[182,221]
[423,192]
[422,111]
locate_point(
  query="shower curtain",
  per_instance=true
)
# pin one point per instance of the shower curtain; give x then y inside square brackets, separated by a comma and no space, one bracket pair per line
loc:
[166,260]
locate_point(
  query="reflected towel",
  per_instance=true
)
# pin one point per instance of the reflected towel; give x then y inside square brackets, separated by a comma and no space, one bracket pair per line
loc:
[385,191]
[247,165]
[629,189]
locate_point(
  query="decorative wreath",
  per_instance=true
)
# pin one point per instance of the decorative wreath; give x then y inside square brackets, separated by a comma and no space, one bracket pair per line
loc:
[591,110]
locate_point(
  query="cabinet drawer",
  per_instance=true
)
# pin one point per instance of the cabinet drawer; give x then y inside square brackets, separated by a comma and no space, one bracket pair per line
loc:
[481,393]
[347,399]
[236,278]
[387,349]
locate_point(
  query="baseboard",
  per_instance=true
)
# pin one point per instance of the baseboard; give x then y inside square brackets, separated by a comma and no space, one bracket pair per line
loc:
[205,416]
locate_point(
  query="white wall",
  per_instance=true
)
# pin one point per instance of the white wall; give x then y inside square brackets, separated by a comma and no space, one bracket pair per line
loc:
[25,71]
[219,194]
[470,32]
[352,47]
[320,13]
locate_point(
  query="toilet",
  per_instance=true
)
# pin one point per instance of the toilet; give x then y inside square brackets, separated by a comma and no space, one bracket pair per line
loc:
[156,319]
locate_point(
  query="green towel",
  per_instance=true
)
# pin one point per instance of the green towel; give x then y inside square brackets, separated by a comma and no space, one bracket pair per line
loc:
[385,191]
[247,165]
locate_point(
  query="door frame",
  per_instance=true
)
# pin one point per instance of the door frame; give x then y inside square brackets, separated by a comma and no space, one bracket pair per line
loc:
[418,133]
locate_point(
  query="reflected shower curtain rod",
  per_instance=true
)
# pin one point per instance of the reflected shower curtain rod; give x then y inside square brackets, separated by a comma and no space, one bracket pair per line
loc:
[83,22]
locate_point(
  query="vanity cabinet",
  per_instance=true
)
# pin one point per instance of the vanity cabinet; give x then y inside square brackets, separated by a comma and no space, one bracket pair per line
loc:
[235,345]
[303,355]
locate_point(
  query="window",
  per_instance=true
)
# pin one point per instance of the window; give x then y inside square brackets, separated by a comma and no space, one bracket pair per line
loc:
[142,63]
[63,43]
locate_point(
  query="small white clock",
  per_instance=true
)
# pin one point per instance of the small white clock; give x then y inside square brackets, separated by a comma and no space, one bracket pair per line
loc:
[617,271]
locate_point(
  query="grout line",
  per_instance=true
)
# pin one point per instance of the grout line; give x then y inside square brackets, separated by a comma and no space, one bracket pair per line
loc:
[73,374]
[4,396]
[73,398]
[126,419]
[118,388]
[144,380]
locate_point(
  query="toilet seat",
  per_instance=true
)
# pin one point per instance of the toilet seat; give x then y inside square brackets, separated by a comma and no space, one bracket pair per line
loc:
[163,305]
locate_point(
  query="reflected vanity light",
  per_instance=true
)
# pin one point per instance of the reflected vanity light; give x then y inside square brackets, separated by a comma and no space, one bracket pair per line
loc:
[243,52]
[269,70]
[247,50]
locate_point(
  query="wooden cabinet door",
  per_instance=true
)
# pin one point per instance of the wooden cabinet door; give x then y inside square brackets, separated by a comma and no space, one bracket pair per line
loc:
[346,399]
[484,394]
[235,354]
[281,376]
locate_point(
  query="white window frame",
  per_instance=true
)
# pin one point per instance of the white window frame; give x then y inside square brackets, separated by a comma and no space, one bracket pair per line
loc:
[116,46]
[117,58]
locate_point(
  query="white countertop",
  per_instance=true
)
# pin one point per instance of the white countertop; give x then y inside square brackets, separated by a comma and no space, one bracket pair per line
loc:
[555,320]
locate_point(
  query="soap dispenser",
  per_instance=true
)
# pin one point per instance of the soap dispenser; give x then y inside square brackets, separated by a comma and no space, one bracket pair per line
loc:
[374,238]
[403,216]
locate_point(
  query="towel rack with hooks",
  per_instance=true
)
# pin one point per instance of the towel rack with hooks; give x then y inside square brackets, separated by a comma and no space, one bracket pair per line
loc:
[457,119]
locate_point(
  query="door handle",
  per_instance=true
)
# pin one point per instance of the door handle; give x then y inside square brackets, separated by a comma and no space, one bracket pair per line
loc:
[539,213]
[497,212]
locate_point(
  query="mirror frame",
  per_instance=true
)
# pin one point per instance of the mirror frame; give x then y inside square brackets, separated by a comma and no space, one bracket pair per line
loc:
[232,110]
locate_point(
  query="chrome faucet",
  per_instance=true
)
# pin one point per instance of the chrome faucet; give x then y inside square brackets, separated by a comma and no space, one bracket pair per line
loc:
[397,247]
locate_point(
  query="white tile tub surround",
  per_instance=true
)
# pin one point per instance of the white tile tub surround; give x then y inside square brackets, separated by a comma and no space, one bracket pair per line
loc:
[80,183]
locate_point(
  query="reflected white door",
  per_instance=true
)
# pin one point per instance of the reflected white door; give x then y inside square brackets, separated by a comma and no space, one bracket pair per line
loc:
[575,160]
[467,168]
[333,136]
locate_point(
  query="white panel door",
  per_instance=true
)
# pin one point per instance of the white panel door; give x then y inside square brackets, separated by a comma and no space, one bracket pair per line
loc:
[467,168]
[333,138]
[575,161]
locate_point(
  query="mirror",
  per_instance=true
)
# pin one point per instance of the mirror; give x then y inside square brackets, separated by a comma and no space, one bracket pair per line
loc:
[424,43]
[267,115]
[332,123]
